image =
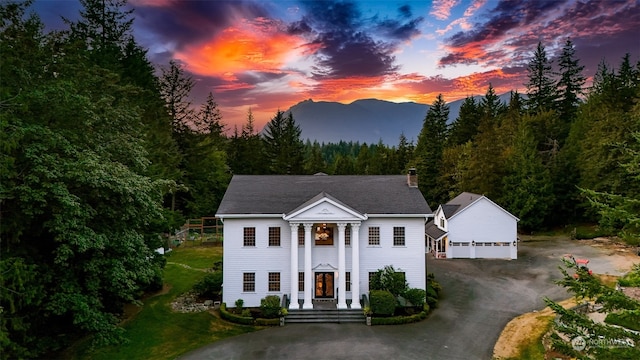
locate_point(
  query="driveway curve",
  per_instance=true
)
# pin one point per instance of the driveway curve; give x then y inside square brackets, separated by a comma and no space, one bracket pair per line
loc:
[480,297]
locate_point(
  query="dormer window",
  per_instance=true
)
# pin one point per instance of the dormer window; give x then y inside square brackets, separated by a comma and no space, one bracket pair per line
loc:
[442,223]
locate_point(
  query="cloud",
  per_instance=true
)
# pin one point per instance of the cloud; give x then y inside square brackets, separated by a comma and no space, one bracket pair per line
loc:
[441,9]
[489,43]
[345,45]
[182,23]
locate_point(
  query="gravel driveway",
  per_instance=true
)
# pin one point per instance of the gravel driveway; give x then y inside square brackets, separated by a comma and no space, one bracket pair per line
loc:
[479,298]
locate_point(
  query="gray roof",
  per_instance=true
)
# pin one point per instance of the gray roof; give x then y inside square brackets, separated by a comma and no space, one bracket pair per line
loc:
[281,194]
[459,203]
[434,231]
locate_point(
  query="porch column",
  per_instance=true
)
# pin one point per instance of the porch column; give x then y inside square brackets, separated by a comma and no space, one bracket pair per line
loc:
[308,276]
[294,266]
[355,265]
[342,276]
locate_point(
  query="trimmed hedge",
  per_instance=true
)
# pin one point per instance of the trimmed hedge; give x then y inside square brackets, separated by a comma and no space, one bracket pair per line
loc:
[270,306]
[246,320]
[267,322]
[233,317]
[382,302]
[399,320]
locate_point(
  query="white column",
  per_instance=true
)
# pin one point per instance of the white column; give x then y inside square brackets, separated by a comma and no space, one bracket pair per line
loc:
[308,276]
[355,265]
[294,266]
[342,276]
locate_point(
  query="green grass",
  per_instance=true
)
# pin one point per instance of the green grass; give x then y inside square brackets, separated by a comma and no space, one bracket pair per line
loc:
[156,332]
[199,257]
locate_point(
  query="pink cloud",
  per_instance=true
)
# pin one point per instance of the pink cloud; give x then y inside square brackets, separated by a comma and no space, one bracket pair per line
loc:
[441,9]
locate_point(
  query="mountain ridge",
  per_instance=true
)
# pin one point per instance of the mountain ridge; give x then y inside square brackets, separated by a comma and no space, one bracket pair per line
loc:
[365,120]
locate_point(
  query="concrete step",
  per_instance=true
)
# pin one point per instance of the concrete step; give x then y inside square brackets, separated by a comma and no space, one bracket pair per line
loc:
[325,316]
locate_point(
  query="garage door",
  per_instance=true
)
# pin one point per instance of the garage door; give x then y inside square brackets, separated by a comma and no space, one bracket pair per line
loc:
[493,250]
[460,250]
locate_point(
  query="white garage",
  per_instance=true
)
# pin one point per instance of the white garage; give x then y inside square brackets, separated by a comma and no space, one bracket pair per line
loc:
[473,226]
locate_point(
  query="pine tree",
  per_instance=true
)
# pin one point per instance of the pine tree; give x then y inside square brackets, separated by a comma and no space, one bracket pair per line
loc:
[466,125]
[527,188]
[428,153]
[175,87]
[283,146]
[541,88]
[570,85]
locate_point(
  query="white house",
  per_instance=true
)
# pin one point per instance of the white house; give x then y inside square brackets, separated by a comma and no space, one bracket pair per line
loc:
[319,237]
[472,226]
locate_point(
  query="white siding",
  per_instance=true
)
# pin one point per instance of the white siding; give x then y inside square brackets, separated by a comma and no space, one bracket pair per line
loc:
[260,259]
[264,259]
[408,259]
[483,222]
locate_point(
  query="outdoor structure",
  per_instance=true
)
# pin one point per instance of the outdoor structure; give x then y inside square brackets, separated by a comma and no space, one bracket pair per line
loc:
[472,226]
[318,237]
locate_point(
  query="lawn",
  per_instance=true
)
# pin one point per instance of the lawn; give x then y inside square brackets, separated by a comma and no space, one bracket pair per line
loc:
[157,332]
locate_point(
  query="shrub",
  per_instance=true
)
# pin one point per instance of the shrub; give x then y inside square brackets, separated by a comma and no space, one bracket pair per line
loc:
[383,302]
[415,296]
[234,318]
[246,313]
[239,304]
[398,320]
[210,286]
[270,306]
[632,279]
[389,279]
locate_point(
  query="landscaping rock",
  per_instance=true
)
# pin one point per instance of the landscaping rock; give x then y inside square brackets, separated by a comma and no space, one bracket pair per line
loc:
[187,303]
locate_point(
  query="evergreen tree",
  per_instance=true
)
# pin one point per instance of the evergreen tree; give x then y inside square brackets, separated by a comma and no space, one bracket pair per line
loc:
[209,119]
[404,153]
[175,87]
[428,153]
[491,107]
[283,146]
[486,166]
[247,155]
[466,125]
[570,85]
[527,188]
[541,88]
[314,163]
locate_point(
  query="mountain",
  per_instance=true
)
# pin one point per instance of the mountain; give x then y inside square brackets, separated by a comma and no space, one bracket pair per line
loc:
[366,120]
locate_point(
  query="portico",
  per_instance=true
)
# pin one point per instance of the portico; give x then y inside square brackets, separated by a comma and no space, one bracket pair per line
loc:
[316,222]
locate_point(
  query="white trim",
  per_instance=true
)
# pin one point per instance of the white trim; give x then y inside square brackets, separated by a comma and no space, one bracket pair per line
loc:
[478,199]
[426,216]
[290,216]
[248,216]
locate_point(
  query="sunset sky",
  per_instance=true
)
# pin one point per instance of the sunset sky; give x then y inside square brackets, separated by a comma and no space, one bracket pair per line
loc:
[270,55]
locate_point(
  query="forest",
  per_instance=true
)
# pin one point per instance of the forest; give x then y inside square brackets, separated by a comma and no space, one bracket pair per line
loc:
[102,153]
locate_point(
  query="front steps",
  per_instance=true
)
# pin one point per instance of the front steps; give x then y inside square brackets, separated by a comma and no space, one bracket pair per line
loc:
[326,316]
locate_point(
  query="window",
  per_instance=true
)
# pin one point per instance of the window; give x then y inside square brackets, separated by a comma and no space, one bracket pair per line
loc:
[249,236]
[324,234]
[249,282]
[347,236]
[398,236]
[274,236]
[442,223]
[347,279]
[300,236]
[274,281]
[374,236]
[301,281]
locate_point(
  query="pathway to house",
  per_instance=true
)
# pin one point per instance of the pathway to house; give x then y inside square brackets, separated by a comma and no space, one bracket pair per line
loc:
[480,298]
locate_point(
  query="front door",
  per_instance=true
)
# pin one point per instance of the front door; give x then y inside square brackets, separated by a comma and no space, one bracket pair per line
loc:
[324,285]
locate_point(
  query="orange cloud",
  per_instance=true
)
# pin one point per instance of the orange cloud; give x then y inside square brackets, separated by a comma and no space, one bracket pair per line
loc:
[254,46]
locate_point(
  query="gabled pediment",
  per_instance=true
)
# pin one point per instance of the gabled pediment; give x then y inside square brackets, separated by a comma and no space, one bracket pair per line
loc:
[323,207]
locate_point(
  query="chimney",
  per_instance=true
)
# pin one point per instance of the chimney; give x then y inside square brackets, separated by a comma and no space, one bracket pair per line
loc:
[412,178]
